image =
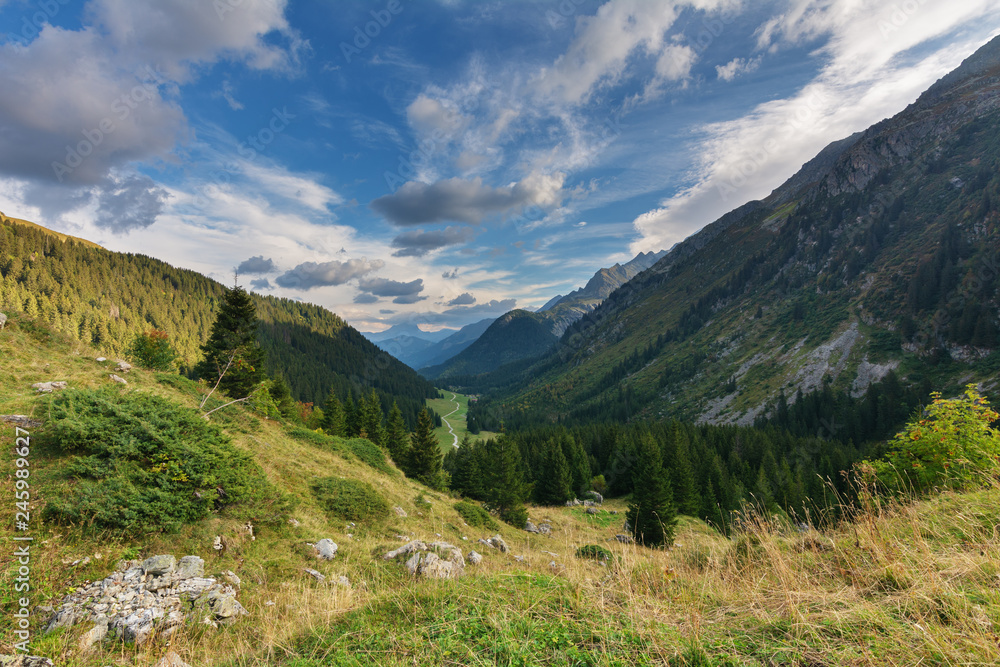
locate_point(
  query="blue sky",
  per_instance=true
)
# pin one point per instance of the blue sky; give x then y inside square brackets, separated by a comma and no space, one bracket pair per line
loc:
[437,162]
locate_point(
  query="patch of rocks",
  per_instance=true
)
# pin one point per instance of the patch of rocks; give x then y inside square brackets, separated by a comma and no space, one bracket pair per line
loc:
[540,529]
[141,601]
[495,542]
[48,387]
[436,560]
[24,421]
[24,661]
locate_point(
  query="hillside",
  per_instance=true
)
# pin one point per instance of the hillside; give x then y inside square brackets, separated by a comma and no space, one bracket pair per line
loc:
[104,299]
[878,256]
[515,336]
[896,586]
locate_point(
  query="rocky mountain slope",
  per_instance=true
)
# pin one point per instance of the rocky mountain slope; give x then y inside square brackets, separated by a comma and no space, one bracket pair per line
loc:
[879,255]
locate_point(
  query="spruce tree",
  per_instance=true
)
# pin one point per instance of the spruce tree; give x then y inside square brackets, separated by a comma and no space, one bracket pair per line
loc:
[554,487]
[333,416]
[505,488]
[397,439]
[685,485]
[371,419]
[352,418]
[425,455]
[231,350]
[651,515]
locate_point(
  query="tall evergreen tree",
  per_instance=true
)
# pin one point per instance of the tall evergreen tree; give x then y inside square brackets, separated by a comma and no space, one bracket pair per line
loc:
[371,419]
[352,417]
[651,515]
[554,487]
[333,416]
[425,455]
[397,439]
[505,488]
[685,486]
[231,350]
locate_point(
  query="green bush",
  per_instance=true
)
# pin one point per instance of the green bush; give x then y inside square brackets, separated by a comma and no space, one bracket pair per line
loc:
[139,462]
[594,552]
[475,515]
[153,350]
[350,499]
[370,454]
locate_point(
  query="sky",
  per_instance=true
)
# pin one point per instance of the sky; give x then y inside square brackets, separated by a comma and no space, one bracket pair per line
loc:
[442,161]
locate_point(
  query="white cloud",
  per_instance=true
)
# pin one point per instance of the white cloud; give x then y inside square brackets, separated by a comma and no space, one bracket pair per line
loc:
[736,67]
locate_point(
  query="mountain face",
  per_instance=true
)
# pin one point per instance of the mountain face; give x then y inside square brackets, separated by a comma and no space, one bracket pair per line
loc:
[410,330]
[105,298]
[565,310]
[515,336]
[878,256]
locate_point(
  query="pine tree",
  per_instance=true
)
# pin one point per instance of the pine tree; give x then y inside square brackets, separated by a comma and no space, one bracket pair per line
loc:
[333,416]
[505,488]
[397,439]
[282,397]
[425,455]
[685,488]
[554,488]
[651,515]
[231,350]
[371,419]
[352,418]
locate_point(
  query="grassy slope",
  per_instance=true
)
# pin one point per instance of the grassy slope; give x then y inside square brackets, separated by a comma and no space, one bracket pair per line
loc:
[58,235]
[917,585]
[445,405]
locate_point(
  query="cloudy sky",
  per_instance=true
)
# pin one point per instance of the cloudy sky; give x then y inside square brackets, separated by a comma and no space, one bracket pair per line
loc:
[437,162]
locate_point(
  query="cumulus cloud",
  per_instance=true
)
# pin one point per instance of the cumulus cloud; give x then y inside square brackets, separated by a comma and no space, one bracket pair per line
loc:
[464,299]
[365,298]
[261,283]
[409,298]
[256,265]
[469,201]
[311,274]
[127,203]
[417,243]
[450,275]
[386,287]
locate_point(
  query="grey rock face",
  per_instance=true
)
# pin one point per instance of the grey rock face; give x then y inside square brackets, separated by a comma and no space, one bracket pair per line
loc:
[190,566]
[159,565]
[424,559]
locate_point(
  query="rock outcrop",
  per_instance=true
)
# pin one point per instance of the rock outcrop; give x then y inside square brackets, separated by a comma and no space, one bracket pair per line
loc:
[140,601]
[426,559]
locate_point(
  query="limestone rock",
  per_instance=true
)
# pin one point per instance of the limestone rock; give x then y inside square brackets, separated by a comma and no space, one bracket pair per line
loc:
[24,421]
[400,512]
[159,565]
[24,661]
[475,558]
[326,549]
[123,366]
[117,378]
[3,321]
[593,510]
[343,581]
[314,574]
[231,577]
[530,527]
[101,359]
[625,539]
[598,498]
[497,543]
[48,387]
[190,566]
[408,548]
[94,635]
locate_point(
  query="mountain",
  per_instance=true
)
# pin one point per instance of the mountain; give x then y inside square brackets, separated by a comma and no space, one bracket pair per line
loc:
[438,353]
[409,330]
[564,310]
[877,260]
[517,335]
[105,298]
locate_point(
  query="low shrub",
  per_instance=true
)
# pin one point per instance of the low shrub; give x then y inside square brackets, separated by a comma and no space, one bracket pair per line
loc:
[370,454]
[350,499]
[594,552]
[138,462]
[475,515]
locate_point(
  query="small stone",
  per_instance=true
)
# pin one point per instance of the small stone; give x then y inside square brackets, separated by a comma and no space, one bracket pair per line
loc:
[123,366]
[159,565]
[343,581]
[497,543]
[400,512]
[408,548]
[530,527]
[593,510]
[294,523]
[101,359]
[94,635]
[118,379]
[326,549]
[314,574]
[269,603]
[474,558]
[413,563]
[217,543]
[625,539]
[231,577]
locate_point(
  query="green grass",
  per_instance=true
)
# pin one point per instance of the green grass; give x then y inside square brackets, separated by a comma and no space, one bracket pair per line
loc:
[456,410]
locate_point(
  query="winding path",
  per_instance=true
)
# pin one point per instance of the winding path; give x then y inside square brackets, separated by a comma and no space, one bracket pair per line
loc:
[444,418]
